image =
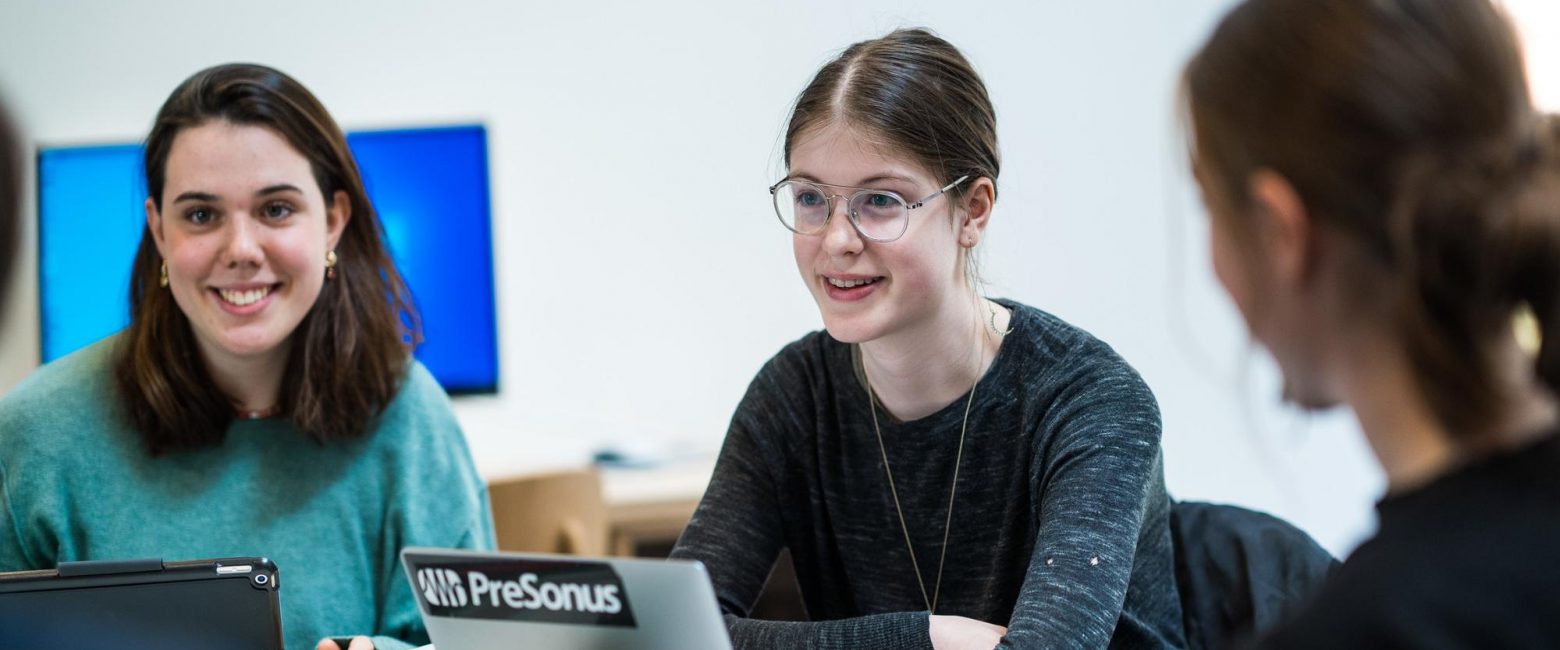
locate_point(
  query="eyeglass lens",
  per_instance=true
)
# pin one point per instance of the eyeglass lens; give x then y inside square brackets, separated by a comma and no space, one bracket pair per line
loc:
[804,208]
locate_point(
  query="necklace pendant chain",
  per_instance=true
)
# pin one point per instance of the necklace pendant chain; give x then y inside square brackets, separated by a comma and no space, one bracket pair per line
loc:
[931,602]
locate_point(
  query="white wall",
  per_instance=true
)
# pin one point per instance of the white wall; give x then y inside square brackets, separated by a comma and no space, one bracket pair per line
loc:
[1538,22]
[642,279]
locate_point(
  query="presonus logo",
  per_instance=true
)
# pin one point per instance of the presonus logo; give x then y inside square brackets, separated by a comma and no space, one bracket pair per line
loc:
[553,591]
[441,587]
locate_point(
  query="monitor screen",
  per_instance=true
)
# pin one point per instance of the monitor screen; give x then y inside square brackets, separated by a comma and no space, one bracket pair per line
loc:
[429,186]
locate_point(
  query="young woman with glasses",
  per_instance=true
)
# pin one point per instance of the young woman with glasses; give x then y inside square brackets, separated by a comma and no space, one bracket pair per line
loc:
[1385,212]
[947,471]
[263,400]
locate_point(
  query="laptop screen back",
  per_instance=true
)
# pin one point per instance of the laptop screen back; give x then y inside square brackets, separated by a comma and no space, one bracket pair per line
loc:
[493,601]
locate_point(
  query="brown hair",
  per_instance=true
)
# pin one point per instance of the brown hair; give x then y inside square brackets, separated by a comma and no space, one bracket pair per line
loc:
[10,198]
[348,355]
[917,94]
[1407,126]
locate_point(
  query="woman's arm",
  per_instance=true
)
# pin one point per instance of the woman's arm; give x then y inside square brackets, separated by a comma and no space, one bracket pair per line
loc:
[13,555]
[438,500]
[1097,485]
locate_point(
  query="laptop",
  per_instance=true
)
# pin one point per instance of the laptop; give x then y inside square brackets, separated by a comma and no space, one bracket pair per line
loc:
[143,605]
[502,601]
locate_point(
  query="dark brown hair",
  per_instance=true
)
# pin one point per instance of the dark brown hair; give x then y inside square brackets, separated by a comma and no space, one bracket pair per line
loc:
[348,355]
[10,198]
[916,94]
[1405,125]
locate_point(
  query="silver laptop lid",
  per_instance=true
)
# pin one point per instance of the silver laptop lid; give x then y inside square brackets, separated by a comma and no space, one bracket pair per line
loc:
[512,601]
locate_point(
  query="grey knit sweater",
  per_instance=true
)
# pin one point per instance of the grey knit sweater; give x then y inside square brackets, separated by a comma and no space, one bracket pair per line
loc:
[1060,526]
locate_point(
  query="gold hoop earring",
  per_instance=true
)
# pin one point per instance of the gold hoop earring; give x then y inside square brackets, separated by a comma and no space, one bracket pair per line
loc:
[330,265]
[162,276]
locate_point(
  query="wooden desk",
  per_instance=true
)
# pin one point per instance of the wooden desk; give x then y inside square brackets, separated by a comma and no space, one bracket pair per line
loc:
[650,506]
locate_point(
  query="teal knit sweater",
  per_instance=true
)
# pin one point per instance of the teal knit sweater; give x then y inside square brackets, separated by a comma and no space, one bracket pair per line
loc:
[77,484]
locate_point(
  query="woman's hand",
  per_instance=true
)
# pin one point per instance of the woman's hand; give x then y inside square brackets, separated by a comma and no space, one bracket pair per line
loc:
[959,633]
[358,643]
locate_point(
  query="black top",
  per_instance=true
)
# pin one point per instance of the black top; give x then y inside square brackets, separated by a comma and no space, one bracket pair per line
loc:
[1060,527]
[1471,560]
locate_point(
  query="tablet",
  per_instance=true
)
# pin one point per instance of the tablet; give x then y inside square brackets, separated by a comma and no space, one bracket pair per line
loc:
[136,604]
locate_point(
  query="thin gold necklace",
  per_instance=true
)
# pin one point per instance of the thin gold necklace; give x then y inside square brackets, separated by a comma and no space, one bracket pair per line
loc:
[931,603]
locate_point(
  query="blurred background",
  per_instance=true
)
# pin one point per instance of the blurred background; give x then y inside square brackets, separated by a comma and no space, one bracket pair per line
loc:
[639,276]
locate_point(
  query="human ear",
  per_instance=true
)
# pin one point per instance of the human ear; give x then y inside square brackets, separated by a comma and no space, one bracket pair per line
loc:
[154,224]
[336,217]
[1283,225]
[976,206]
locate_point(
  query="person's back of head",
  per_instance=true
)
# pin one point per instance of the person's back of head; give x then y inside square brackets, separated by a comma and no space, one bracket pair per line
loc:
[1407,130]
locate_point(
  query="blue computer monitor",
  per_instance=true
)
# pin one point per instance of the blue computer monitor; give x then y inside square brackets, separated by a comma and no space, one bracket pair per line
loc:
[430,187]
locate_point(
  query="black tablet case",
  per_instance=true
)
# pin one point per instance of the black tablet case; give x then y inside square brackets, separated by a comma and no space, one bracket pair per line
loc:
[136,604]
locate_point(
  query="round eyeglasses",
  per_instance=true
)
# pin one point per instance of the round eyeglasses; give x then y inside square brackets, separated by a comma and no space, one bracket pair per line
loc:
[804,207]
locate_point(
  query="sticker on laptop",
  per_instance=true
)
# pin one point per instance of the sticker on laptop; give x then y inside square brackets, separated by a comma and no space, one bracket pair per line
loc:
[561,591]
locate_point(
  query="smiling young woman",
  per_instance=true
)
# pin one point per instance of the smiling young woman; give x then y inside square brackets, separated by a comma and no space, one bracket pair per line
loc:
[252,191]
[263,400]
[947,471]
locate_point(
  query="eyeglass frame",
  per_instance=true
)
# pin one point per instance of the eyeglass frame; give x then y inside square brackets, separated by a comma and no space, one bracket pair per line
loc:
[850,212]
